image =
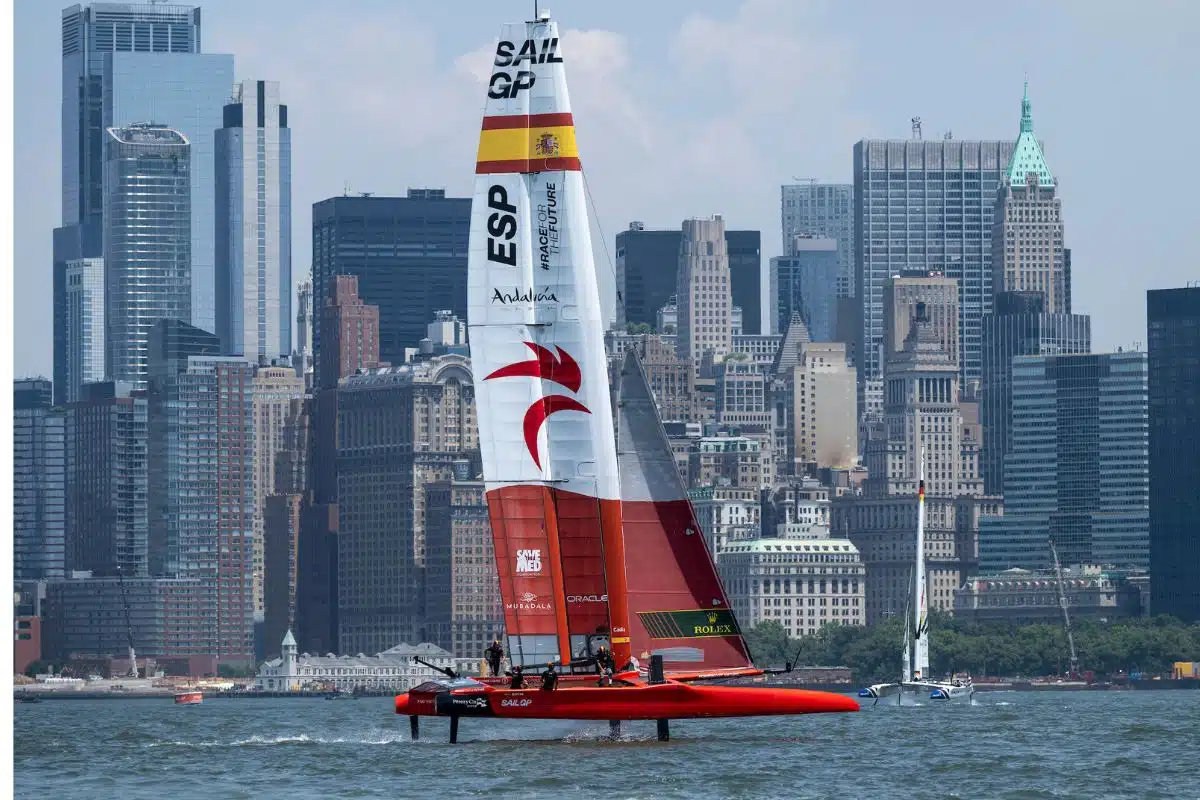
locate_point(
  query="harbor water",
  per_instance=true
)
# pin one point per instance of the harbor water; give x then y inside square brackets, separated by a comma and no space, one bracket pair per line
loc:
[1116,744]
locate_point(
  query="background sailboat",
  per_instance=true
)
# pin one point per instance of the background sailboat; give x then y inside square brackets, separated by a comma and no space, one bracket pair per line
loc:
[915,675]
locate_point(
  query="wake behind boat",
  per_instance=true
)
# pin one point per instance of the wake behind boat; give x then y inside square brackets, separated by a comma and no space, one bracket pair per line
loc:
[601,561]
[915,666]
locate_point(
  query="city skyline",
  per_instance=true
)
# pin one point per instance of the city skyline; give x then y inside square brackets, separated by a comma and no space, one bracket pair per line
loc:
[715,156]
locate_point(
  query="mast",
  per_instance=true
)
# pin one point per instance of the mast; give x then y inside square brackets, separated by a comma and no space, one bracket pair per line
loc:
[1062,601]
[537,352]
[921,610]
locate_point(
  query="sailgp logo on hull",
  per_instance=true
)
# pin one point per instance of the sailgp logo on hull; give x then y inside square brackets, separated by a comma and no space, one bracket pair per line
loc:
[504,84]
[529,561]
[560,369]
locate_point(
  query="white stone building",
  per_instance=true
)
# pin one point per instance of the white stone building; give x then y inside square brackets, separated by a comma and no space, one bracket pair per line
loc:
[393,669]
[802,584]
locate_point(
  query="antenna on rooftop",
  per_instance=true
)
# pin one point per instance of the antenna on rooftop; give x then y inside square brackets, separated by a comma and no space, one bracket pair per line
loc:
[916,128]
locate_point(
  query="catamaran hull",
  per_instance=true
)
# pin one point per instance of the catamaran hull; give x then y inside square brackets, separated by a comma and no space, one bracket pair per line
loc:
[669,700]
[933,690]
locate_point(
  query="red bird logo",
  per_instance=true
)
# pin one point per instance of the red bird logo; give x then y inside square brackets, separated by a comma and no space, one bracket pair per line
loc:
[560,369]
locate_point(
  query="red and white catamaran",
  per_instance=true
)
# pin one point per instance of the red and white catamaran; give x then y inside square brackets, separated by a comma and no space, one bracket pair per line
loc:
[593,548]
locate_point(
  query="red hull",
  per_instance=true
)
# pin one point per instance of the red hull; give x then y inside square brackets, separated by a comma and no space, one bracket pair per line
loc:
[669,700]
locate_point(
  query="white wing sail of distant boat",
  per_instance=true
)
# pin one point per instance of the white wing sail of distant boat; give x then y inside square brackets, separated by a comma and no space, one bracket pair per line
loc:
[921,610]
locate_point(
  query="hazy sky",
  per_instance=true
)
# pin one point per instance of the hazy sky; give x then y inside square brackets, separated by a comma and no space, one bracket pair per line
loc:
[692,108]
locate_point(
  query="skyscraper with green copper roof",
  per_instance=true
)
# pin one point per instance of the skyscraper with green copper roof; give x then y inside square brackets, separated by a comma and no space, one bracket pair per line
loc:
[1027,237]
[1031,302]
[1027,157]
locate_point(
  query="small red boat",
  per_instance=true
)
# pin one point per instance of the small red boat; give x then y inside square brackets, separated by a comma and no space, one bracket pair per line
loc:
[189,698]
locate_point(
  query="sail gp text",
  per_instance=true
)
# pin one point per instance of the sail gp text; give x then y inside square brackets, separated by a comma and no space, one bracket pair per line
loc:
[508,84]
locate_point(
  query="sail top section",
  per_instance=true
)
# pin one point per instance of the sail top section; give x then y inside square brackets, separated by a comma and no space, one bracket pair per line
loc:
[527,122]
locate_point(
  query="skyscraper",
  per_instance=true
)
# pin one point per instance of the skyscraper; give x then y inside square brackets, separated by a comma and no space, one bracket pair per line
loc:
[806,280]
[703,292]
[107,513]
[254,225]
[923,205]
[647,267]
[201,487]
[1078,471]
[351,333]
[139,62]
[39,482]
[147,241]
[1027,237]
[85,324]
[408,253]
[1018,328]
[1031,284]
[275,391]
[1174,362]
[824,210]
[902,293]
[387,452]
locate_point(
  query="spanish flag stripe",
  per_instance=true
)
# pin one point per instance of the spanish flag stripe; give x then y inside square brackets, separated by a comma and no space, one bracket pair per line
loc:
[528,165]
[513,144]
[527,121]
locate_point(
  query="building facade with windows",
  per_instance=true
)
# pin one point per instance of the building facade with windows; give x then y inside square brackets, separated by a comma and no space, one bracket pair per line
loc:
[39,481]
[822,210]
[1078,472]
[1174,384]
[803,584]
[923,205]
[253,245]
[408,253]
[147,242]
[806,280]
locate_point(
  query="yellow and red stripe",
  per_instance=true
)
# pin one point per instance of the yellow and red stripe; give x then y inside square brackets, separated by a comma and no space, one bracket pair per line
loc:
[517,143]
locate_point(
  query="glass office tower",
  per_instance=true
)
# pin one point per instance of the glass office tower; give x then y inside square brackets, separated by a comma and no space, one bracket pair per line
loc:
[147,241]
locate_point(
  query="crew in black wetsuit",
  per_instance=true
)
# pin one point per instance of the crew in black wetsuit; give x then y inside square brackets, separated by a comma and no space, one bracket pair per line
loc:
[494,653]
[605,665]
[518,678]
[549,678]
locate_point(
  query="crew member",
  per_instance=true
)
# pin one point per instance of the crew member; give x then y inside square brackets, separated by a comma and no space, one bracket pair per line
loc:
[549,677]
[518,678]
[493,654]
[605,665]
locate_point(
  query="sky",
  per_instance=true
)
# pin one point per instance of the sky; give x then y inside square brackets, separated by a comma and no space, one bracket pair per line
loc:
[702,107]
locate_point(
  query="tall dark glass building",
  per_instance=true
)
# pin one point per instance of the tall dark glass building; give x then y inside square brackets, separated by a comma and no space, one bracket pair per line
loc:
[1078,471]
[1173,317]
[647,272]
[39,482]
[408,253]
[805,281]
[1018,328]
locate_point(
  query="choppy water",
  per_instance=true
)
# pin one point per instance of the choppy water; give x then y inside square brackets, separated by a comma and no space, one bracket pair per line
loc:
[1007,745]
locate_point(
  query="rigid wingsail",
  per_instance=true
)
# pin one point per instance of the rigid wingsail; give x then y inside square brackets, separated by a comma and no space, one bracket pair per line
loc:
[583,539]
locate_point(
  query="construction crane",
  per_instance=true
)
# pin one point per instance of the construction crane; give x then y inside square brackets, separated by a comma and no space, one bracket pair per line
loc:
[133,670]
[1062,601]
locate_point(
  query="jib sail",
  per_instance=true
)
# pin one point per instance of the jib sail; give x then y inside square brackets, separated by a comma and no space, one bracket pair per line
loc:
[537,353]
[677,604]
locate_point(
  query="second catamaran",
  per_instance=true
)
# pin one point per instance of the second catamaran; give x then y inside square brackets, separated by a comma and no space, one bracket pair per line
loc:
[583,539]
[915,678]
